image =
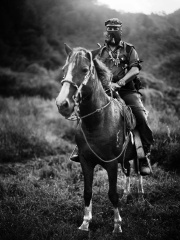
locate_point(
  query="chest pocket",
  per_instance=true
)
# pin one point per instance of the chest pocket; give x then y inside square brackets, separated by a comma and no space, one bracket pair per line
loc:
[123,60]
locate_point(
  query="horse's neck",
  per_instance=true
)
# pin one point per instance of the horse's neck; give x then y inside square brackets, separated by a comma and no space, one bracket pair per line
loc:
[97,101]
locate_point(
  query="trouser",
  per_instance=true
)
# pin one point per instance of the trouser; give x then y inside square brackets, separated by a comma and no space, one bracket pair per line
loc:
[134,101]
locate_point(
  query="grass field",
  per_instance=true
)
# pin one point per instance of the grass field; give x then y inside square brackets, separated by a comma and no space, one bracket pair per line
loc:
[41,191]
[42,199]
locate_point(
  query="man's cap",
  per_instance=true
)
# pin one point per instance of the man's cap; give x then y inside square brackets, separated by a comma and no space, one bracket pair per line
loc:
[113,22]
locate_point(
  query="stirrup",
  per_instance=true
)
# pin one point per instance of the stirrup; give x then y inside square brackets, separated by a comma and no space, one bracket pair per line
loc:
[74,155]
[74,158]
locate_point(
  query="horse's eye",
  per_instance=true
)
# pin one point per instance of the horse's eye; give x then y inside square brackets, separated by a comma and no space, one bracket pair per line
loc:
[85,70]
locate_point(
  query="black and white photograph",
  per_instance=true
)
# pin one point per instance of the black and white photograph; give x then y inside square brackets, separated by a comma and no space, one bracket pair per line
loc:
[89,120]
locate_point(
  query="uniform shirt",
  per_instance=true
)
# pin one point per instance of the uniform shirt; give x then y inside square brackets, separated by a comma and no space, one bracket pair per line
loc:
[119,61]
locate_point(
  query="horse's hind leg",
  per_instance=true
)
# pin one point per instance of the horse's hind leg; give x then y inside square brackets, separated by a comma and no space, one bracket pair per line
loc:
[113,196]
[140,188]
[88,170]
[126,194]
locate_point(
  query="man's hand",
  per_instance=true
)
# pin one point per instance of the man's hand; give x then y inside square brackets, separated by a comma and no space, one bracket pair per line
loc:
[114,86]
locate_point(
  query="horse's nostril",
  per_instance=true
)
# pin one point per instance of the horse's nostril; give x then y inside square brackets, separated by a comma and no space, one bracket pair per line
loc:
[65,104]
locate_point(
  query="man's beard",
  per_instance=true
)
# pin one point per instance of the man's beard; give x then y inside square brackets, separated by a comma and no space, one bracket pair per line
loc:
[112,38]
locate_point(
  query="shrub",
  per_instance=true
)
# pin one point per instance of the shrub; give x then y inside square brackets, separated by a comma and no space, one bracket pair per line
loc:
[36,81]
[36,69]
[19,141]
[165,125]
[167,151]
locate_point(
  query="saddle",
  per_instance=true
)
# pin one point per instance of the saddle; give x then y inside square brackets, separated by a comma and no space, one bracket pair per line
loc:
[130,120]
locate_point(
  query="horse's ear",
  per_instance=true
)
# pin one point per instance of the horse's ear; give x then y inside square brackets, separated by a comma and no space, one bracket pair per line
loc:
[68,49]
[95,52]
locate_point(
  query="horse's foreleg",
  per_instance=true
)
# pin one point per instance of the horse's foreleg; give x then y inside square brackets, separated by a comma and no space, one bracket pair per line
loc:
[113,196]
[88,180]
[127,185]
[87,217]
[140,188]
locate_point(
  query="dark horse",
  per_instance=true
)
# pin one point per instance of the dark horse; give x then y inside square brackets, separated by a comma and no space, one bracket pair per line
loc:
[100,138]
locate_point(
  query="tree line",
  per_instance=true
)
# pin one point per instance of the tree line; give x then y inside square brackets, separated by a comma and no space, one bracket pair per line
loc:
[35,31]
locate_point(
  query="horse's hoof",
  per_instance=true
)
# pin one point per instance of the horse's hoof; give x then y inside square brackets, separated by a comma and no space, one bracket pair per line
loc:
[117,227]
[117,230]
[83,228]
[85,225]
[141,198]
[124,198]
[129,199]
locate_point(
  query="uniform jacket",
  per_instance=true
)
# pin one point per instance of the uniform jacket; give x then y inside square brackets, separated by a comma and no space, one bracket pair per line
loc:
[120,61]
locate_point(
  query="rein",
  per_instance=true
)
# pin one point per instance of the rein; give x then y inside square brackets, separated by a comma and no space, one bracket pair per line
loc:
[77,117]
[124,147]
[96,111]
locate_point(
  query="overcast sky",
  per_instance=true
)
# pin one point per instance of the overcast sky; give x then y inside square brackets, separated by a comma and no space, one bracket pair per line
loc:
[145,6]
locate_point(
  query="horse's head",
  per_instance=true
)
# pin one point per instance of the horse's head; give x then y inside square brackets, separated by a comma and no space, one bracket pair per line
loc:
[77,71]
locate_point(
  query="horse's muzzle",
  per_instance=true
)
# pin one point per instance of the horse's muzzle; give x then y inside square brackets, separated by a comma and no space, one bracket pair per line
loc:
[65,108]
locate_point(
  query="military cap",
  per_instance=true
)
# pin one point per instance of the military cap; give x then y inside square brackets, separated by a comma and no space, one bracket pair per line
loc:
[113,22]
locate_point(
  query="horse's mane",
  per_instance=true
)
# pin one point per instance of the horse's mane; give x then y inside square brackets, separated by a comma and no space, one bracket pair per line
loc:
[104,74]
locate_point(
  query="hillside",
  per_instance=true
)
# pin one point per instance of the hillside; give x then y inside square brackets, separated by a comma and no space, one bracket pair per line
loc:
[35,30]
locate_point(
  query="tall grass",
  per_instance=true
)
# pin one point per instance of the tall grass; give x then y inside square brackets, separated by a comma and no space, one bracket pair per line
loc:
[30,127]
[33,127]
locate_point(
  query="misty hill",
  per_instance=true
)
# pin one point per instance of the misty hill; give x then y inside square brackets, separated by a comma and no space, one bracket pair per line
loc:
[33,31]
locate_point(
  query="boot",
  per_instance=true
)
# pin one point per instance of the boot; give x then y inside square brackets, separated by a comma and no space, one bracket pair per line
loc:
[144,163]
[74,158]
[75,155]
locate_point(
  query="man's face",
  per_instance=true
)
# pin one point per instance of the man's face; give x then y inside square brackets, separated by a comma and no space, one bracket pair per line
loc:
[113,35]
[112,28]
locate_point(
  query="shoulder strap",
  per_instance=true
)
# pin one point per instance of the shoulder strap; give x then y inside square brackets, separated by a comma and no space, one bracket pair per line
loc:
[129,47]
[101,51]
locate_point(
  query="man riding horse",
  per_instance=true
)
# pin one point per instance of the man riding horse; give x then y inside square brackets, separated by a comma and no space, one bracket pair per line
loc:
[122,59]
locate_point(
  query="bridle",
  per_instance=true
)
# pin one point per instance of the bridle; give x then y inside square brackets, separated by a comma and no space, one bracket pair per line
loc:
[77,97]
